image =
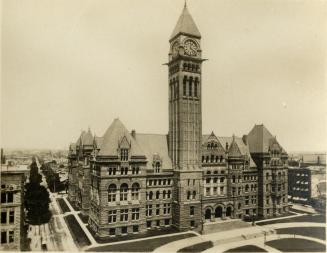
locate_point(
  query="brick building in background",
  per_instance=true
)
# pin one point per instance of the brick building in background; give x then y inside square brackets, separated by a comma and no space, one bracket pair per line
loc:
[130,183]
[12,209]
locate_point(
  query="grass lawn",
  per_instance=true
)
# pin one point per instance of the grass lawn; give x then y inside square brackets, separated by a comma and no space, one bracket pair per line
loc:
[77,232]
[84,218]
[316,232]
[73,205]
[63,206]
[199,247]
[299,211]
[306,218]
[296,245]
[247,248]
[141,246]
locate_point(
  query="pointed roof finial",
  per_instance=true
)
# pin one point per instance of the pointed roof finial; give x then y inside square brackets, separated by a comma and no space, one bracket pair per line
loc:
[185,4]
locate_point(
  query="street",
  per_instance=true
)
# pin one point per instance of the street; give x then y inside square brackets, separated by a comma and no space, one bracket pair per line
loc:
[52,236]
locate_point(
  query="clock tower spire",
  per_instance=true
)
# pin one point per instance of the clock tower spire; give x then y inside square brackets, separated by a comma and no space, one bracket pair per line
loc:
[185,121]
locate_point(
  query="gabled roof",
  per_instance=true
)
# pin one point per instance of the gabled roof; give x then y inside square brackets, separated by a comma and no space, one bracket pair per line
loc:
[243,148]
[155,145]
[259,139]
[185,25]
[112,138]
[234,150]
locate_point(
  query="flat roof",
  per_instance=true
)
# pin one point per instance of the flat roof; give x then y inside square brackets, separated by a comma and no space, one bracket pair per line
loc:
[14,169]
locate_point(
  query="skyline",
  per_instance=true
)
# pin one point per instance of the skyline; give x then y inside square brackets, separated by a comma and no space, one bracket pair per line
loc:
[59,77]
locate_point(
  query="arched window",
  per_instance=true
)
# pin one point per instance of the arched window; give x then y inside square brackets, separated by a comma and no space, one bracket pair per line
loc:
[169,193]
[184,66]
[228,211]
[208,172]
[208,146]
[194,195]
[157,195]
[190,86]
[188,195]
[234,179]
[218,212]
[150,195]
[207,159]
[123,192]
[164,194]
[202,158]
[184,85]
[216,159]
[221,158]
[252,187]
[112,193]
[207,214]
[246,188]
[267,176]
[135,191]
[212,159]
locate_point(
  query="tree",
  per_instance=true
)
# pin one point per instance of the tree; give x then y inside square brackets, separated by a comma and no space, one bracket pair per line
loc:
[37,204]
[36,199]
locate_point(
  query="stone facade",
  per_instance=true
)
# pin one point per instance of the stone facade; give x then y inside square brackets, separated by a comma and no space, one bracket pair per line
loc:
[12,213]
[131,183]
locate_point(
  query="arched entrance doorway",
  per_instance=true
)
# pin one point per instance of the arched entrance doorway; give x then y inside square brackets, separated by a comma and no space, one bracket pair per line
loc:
[219,212]
[229,211]
[207,214]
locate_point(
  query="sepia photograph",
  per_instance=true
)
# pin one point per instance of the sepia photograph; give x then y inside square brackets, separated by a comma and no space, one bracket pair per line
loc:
[163,125]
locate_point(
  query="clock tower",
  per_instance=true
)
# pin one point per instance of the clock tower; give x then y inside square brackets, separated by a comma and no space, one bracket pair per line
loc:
[185,121]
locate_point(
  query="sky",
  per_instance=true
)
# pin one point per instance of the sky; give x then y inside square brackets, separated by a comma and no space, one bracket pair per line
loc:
[71,65]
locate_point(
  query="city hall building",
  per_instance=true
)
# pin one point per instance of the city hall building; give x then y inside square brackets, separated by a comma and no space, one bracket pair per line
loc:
[128,182]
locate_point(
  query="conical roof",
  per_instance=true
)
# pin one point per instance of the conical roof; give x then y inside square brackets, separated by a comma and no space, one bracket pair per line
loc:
[114,135]
[87,138]
[185,25]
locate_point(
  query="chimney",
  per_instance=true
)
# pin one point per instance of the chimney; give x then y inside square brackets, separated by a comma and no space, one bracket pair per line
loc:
[133,133]
[226,146]
[245,139]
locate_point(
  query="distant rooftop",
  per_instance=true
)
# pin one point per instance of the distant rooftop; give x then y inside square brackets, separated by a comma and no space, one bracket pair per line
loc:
[13,169]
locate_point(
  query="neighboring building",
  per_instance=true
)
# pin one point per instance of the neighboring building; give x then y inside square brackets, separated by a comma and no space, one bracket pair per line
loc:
[299,185]
[130,183]
[12,210]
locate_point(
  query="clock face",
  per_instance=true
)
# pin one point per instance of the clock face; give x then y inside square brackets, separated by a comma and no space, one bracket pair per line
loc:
[190,47]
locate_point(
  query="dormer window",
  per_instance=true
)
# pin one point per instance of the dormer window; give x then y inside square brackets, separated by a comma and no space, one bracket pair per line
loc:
[124,154]
[157,167]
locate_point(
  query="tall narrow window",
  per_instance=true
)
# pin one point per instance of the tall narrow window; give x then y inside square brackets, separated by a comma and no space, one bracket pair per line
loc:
[135,191]
[112,193]
[196,82]
[190,87]
[184,85]
[123,192]
[124,154]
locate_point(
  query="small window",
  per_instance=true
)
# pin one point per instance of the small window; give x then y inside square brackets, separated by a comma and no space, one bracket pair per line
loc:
[192,223]
[124,230]
[135,229]
[112,231]
[192,208]
[148,224]
[167,222]
[158,223]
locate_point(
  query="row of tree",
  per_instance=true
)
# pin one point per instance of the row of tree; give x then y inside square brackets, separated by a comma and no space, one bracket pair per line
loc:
[52,178]
[36,199]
